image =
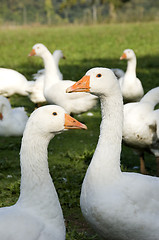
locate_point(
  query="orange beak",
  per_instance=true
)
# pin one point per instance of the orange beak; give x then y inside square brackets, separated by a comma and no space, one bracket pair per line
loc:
[1,116]
[83,85]
[32,53]
[123,56]
[72,123]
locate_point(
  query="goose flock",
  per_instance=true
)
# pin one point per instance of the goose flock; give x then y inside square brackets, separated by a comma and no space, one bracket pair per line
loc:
[118,205]
[55,90]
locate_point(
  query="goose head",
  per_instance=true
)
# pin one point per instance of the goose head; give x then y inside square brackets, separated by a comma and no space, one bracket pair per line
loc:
[99,81]
[57,54]
[128,54]
[38,50]
[52,119]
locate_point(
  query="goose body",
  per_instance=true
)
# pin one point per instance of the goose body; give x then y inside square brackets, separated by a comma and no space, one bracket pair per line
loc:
[36,94]
[118,205]
[131,86]
[141,126]
[13,82]
[37,215]
[55,89]
[118,72]
[12,120]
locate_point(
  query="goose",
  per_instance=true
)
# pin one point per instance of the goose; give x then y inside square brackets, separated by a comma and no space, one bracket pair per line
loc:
[36,91]
[141,126]
[118,205]
[57,55]
[12,120]
[55,89]
[131,86]
[36,94]
[13,82]
[118,72]
[37,215]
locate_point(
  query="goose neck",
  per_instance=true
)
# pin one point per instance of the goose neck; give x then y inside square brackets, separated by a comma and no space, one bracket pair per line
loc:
[51,75]
[131,67]
[151,97]
[106,159]
[56,59]
[36,182]
[37,191]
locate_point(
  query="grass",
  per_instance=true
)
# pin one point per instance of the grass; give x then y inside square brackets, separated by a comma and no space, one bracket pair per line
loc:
[70,153]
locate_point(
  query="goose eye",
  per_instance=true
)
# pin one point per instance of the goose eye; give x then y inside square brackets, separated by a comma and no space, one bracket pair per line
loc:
[98,75]
[54,113]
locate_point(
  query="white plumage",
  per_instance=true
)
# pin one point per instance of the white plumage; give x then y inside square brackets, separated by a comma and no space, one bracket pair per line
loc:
[37,215]
[55,89]
[141,126]
[131,86]
[36,94]
[13,120]
[57,55]
[118,205]
[118,72]
[13,82]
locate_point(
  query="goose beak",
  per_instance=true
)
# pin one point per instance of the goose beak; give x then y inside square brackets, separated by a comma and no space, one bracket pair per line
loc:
[32,53]
[83,85]
[72,123]
[123,56]
[1,116]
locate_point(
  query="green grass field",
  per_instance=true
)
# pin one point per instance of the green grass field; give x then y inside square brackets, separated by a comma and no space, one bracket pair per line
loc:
[70,153]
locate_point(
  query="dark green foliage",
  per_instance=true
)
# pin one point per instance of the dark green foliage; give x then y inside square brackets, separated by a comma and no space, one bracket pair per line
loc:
[76,11]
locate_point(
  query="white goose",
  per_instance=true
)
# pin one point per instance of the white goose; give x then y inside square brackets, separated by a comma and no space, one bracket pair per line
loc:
[118,205]
[55,89]
[36,94]
[37,215]
[118,72]
[12,120]
[141,126]
[13,82]
[57,55]
[131,86]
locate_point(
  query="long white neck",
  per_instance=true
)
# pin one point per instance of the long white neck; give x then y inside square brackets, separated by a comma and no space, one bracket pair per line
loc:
[37,189]
[105,163]
[151,97]
[51,74]
[131,67]
[56,59]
